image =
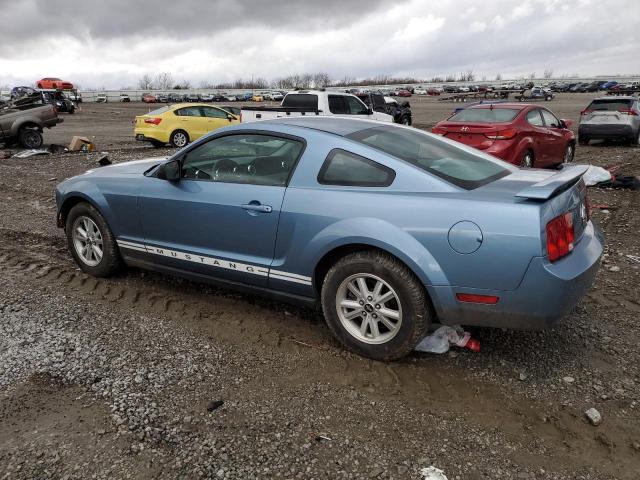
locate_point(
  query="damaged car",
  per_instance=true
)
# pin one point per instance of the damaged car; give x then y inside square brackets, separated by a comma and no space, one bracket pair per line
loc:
[387,228]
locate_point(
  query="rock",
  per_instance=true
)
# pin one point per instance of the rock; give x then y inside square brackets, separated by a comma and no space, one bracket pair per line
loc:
[594,416]
[214,405]
[614,269]
[523,377]
[568,379]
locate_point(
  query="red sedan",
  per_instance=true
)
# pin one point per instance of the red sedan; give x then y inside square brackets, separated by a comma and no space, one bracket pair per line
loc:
[523,134]
[54,83]
[404,93]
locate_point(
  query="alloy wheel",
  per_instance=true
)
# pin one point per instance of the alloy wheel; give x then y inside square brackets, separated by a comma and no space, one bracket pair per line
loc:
[179,139]
[87,240]
[368,308]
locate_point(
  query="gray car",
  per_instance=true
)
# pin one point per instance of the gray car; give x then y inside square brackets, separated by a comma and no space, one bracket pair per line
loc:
[616,118]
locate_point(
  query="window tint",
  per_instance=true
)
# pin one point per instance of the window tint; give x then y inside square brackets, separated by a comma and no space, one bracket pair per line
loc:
[345,168]
[337,105]
[214,113]
[356,107]
[534,118]
[549,119]
[485,115]
[252,159]
[610,105]
[300,100]
[188,112]
[454,164]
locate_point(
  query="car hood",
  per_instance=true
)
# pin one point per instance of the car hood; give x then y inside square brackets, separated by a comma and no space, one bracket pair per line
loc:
[135,167]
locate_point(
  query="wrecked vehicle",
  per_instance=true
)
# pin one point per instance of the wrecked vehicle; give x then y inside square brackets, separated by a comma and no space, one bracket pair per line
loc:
[388,228]
[24,124]
[59,101]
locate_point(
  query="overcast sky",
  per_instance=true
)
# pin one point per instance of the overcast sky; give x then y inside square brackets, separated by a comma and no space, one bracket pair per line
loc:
[112,43]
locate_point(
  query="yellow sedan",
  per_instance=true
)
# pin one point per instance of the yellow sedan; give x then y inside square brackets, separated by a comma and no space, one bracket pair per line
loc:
[181,123]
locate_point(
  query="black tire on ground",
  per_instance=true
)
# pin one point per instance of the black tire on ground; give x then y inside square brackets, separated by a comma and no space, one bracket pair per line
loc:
[413,301]
[527,159]
[157,143]
[30,137]
[582,140]
[111,260]
[175,138]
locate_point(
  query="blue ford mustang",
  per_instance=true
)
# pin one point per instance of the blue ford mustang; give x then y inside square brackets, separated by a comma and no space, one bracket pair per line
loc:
[387,227]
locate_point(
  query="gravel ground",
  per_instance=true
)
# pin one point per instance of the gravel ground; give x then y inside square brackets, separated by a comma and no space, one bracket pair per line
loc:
[124,377]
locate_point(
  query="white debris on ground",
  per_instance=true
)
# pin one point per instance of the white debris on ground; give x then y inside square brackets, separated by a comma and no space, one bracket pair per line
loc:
[432,473]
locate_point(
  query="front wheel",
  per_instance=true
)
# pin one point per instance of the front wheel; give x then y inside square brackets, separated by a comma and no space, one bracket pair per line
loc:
[375,306]
[30,138]
[91,242]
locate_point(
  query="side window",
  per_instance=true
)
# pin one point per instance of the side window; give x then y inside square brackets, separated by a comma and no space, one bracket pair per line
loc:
[379,103]
[211,112]
[189,112]
[246,158]
[534,118]
[550,119]
[337,105]
[348,169]
[356,107]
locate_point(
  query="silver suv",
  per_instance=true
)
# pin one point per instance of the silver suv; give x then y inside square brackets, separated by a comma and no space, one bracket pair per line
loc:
[610,118]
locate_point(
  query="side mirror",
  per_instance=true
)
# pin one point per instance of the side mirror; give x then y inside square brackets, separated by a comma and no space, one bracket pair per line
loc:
[230,117]
[170,171]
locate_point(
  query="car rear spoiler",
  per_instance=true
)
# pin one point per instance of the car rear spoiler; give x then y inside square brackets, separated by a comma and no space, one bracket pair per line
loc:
[561,181]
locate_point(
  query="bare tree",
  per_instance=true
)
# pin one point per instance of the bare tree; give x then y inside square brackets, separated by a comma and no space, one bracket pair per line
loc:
[548,73]
[321,79]
[183,85]
[450,78]
[145,82]
[532,75]
[163,81]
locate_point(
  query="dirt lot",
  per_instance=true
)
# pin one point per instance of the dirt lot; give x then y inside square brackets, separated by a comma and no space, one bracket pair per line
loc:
[113,378]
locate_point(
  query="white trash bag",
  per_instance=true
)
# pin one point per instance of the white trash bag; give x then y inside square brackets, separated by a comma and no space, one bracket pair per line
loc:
[595,175]
[432,473]
[440,340]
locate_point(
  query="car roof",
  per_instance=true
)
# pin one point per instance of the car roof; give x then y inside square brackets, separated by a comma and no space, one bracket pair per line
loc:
[513,106]
[335,125]
[617,97]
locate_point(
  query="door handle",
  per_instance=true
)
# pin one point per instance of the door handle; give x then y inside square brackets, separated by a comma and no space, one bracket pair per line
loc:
[257,207]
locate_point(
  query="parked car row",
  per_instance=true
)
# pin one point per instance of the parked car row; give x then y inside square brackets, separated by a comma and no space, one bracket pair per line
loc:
[212,97]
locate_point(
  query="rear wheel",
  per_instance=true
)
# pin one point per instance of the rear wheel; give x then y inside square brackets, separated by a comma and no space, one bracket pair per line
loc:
[179,139]
[91,242]
[527,159]
[30,138]
[375,306]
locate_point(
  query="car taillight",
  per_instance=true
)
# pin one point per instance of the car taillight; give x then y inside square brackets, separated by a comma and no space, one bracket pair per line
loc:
[629,111]
[560,236]
[155,121]
[439,130]
[502,134]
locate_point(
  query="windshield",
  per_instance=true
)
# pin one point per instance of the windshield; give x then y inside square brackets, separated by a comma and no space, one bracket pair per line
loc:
[452,163]
[485,115]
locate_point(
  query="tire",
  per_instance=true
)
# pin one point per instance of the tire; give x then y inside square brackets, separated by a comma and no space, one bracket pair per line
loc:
[569,153]
[583,140]
[407,299]
[110,261]
[406,120]
[30,138]
[527,159]
[179,139]
[157,143]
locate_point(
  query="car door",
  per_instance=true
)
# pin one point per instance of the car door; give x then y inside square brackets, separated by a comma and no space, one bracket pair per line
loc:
[192,120]
[538,132]
[216,118]
[220,218]
[555,137]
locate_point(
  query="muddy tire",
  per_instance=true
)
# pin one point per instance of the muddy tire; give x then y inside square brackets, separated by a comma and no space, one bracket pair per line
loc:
[91,241]
[179,139]
[375,306]
[30,138]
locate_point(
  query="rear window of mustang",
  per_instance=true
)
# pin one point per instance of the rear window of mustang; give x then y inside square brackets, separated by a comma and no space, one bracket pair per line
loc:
[454,164]
[485,115]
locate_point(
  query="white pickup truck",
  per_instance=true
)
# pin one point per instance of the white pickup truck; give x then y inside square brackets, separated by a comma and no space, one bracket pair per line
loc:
[315,102]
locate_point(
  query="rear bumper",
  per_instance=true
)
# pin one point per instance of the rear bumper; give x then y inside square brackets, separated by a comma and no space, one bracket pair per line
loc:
[548,291]
[606,131]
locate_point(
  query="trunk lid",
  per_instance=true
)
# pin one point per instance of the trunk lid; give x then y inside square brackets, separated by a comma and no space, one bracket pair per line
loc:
[475,135]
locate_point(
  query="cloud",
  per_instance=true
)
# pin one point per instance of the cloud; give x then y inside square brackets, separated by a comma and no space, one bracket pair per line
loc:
[113,43]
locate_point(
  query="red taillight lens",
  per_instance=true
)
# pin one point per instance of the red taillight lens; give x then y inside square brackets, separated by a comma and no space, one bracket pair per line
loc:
[629,111]
[439,130]
[560,236]
[473,298]
[507,134]
[155,121]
